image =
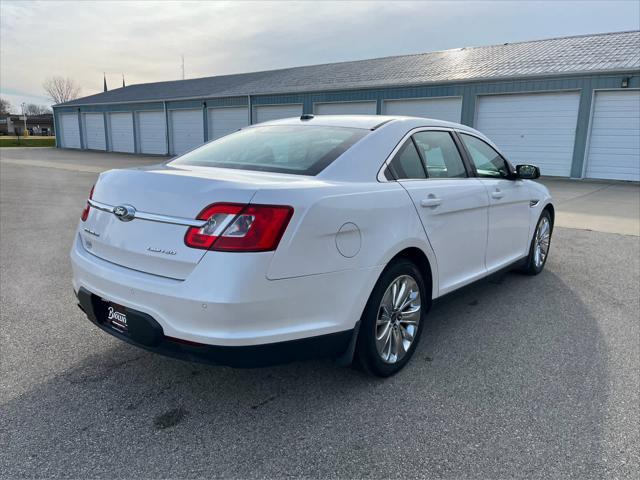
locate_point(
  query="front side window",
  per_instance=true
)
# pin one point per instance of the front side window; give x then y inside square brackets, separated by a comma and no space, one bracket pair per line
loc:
[487,161]
[302,150]
[440,154]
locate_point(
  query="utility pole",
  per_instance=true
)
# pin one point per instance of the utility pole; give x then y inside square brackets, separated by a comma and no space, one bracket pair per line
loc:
[182,57]
[24,117]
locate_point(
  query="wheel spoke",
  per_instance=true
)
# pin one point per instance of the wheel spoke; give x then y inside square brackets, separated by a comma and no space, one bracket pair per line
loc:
[384,316]
[406,334]
[410,298]
[407,321]
[411,311]
[389,341]
[384,332]
[400,351]
[544,227]
[397,301]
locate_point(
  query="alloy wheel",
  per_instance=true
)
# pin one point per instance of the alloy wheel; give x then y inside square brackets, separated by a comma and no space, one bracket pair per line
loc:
[398,319]
[542,241]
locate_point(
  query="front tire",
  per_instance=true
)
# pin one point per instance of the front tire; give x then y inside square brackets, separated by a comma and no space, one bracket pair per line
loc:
[540,245]
[392,321]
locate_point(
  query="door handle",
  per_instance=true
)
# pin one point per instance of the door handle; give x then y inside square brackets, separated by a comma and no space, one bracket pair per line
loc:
[497,194]
[431,201]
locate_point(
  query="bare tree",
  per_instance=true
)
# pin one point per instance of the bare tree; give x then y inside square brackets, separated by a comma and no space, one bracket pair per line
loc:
[33,109]
[5,106]
[61,89]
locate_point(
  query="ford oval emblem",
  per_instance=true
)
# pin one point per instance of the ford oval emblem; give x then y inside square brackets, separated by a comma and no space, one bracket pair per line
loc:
[124,212]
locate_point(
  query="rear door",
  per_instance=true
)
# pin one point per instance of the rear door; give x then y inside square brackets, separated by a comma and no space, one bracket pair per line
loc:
[509,211]
[451,204]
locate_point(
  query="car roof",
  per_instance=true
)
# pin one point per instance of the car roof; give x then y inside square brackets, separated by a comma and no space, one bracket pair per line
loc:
[368,122]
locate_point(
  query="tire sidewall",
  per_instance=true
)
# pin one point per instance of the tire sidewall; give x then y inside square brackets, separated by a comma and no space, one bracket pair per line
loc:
[367,351]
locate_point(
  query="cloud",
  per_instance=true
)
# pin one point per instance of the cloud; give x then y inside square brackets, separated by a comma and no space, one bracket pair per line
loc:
[144,40]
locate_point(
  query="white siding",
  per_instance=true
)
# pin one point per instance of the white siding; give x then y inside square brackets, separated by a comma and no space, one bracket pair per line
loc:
[152,132]
[449,109]
[345,108]
[537,128]
[121,132]
[187,130]
[70,130]
[264,113]
[614,142]
[223,121]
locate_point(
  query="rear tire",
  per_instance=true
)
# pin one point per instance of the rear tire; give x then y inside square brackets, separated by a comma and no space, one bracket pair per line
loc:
[393,319]
[540,245]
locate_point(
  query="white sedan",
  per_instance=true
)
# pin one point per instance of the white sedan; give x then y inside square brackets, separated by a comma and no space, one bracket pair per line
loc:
[304,237]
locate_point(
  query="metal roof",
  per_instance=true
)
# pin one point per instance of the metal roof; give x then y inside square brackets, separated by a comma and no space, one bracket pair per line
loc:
[606,52]
[368,122]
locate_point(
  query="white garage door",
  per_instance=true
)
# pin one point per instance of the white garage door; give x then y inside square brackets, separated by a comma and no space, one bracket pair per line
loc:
[187,130]
[537,128]
[121,132]
[94,131]
[614,145]
[264,113]
[152,132]
[345,108]
[449,109]
[223,121]
[69,130]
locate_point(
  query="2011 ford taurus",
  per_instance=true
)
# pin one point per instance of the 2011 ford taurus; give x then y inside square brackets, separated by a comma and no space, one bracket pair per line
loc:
[326,235]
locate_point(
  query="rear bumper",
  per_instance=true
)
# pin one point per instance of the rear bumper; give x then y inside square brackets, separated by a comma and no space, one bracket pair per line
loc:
[148,334]
[227,301]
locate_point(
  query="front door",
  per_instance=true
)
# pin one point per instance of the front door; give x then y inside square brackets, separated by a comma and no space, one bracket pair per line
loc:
[509,211]
[452,206]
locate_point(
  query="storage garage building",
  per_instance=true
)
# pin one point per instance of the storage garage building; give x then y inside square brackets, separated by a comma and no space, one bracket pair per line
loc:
[570,105]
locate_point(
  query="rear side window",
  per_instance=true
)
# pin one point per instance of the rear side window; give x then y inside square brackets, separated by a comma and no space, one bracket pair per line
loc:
[440,154]
[407,163]
[297,149]
[487,161]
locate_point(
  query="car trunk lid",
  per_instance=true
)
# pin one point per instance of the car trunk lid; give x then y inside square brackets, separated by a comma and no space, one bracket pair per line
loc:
[166,201]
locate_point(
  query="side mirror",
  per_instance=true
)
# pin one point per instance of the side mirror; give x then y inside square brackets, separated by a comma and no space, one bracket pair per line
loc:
[527,172]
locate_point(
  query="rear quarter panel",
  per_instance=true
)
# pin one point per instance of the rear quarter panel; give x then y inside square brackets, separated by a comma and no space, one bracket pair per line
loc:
[383,213]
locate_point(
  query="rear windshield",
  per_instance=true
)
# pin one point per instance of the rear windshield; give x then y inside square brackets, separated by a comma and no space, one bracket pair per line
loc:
[303,150]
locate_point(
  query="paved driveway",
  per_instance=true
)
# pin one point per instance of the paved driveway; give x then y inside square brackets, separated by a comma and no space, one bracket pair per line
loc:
[516,377]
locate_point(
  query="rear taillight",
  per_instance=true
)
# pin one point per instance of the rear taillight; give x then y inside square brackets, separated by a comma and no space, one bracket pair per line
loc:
[85,212]
[232,227]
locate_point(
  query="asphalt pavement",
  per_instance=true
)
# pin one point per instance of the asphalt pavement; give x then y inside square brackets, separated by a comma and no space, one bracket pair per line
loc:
[515,376]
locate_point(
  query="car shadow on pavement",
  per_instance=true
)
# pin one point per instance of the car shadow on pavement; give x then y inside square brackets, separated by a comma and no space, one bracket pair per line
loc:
[509,381]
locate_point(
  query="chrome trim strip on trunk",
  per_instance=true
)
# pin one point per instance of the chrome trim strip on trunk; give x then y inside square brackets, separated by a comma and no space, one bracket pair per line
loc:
[152,217]
[100,206]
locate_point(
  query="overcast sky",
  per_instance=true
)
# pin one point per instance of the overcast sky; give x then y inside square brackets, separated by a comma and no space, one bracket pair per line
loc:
[144,40]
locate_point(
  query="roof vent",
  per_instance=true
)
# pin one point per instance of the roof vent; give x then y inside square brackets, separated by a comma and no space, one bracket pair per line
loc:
[306,116]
